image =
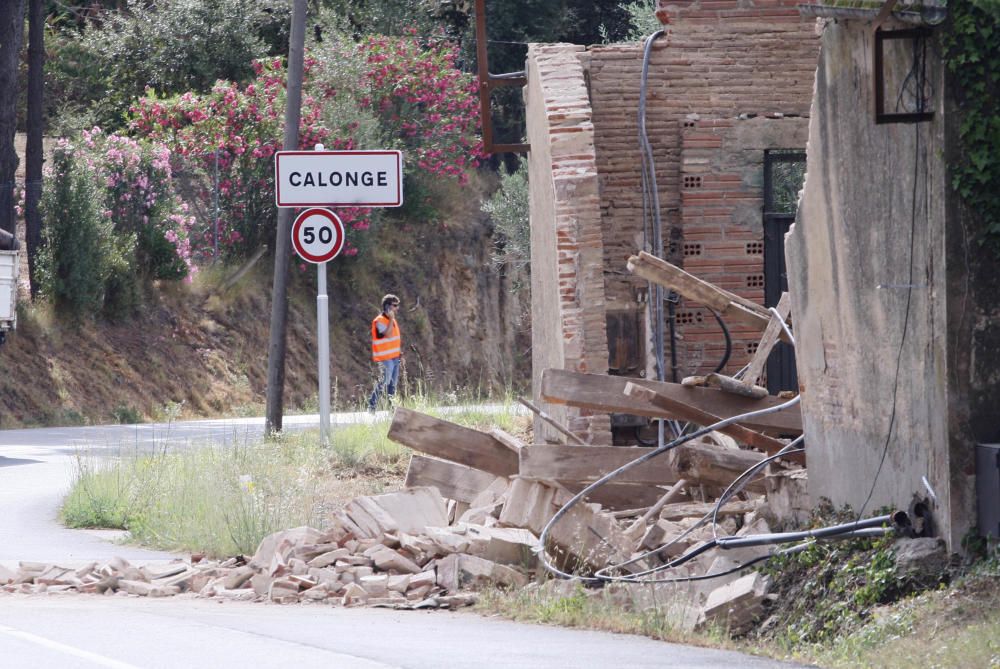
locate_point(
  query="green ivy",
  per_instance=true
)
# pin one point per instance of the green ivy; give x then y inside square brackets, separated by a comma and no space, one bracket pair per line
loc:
[972,55]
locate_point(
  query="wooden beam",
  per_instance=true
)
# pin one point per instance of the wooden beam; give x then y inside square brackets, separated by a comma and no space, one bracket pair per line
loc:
[735,386]
[729,305]
[679,410]
[698,462]
[638,528]
[767,341]
[587,464]
[457,482]
[667,274]
[600,392]
[618,496]
[449,441]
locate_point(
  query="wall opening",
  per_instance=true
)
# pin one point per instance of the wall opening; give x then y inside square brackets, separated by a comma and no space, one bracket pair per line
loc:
[784,174]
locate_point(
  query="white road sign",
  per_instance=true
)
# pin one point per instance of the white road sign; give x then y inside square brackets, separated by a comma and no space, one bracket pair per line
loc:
[338,178]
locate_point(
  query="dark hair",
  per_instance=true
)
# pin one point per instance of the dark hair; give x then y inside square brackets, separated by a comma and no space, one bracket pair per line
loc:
[388,300]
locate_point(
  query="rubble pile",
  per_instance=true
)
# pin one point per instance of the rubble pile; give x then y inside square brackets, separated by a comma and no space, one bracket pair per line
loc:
[476,503]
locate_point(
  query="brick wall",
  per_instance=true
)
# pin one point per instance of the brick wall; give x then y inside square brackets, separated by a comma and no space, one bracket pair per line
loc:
[566,271]
[720,60]
[722,197]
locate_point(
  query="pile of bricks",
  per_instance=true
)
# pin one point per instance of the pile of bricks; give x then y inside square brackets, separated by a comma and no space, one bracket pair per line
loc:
[396,550]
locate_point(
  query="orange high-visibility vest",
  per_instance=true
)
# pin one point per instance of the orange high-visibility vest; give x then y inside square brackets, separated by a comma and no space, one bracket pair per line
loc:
[389,346]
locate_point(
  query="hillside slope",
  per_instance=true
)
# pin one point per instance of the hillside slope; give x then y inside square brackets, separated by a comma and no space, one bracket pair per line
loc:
[196,351]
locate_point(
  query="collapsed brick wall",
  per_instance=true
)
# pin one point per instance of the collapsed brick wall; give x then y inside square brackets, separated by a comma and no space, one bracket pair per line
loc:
[567,280]
[719,60]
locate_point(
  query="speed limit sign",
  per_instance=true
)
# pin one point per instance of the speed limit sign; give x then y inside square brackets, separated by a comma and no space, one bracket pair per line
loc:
[317,235]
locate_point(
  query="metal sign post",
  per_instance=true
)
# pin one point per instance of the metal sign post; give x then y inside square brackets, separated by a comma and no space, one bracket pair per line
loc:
[318,237]
[331,178]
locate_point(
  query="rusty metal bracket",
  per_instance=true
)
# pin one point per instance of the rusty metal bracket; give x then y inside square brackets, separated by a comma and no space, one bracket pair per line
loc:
[487,82]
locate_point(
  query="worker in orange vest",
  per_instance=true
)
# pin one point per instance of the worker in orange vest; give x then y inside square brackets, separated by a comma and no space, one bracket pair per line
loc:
[387,349]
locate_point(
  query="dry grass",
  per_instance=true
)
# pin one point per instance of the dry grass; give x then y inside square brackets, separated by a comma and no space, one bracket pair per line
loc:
[624,609]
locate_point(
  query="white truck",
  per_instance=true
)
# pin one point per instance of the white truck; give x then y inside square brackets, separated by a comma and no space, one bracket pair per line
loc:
[8,283]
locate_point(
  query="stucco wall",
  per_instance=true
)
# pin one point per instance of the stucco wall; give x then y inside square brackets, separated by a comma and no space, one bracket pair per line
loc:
[867,273]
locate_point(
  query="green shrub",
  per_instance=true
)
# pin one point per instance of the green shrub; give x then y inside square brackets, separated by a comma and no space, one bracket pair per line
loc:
[508,208]
[113,224]
[174,46]
[78,254]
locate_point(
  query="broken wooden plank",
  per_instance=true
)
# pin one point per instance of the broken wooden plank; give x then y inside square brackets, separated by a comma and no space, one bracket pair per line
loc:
[457,482]
[675,409]
[601,392]
[617,496]
[507,439]
[697,462]
[703,463]
[637,528]
[573,463]
[768,340]
[729,305]
[449,441]
[736,387]
[688,285]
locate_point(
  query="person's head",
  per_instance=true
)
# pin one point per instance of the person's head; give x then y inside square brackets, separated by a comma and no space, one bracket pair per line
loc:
[390,301]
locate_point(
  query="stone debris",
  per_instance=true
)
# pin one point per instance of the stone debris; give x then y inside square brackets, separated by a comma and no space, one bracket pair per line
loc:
[394,550]
[417,548]
[736,605]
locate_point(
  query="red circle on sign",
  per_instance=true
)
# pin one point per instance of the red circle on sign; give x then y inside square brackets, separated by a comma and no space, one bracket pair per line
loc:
[317,235]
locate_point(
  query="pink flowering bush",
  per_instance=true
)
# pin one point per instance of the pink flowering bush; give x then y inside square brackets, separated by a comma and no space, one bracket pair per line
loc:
[381,93]
[112,222]
[234,132]
[139,198]
[424,102]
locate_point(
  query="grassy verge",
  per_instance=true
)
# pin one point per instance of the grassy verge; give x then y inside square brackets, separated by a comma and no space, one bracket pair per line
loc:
[951,626]
[624,610]
[223,500]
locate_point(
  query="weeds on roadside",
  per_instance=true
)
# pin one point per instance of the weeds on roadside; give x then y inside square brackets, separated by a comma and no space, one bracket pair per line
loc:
[611,609]
[222,500]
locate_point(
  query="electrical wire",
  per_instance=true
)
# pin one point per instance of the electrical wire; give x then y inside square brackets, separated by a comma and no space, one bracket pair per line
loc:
[735,487]
[744,479]
[651,204]
[729,342]
[636,462]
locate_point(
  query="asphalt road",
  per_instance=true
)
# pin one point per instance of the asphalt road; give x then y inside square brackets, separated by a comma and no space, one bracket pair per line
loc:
[126,632]
[71,630]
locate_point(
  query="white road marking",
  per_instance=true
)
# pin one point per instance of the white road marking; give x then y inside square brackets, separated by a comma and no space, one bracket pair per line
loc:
[63,648]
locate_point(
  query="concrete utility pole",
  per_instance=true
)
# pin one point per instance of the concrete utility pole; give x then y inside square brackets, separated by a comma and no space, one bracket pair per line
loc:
[33,151]
[282,251]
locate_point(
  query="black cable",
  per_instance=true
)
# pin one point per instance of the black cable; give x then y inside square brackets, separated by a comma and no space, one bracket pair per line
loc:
[636,462]
[729,341]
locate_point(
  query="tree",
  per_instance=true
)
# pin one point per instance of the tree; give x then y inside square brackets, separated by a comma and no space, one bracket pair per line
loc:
[33,149]
[11,35]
